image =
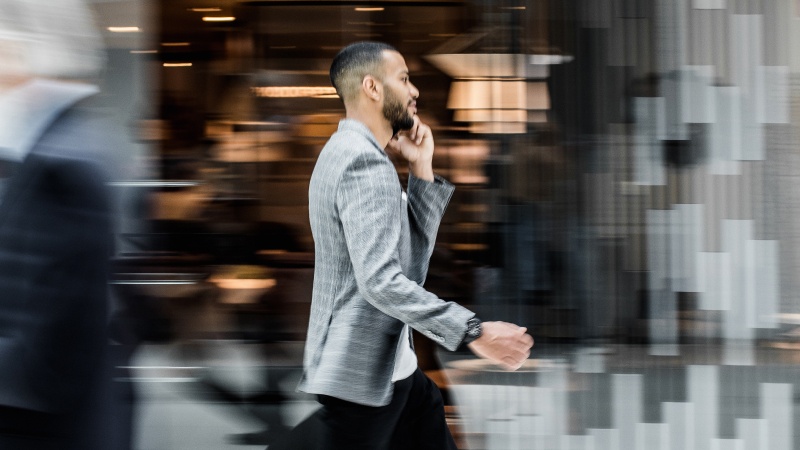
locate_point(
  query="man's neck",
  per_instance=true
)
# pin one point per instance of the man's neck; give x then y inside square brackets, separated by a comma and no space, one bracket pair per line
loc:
[376,123]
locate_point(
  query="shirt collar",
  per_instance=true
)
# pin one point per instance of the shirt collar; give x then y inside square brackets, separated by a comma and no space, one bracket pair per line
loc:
[26,111]
[360,128]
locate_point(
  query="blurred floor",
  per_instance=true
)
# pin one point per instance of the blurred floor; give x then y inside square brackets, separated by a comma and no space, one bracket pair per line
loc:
[568,397]
[175,409]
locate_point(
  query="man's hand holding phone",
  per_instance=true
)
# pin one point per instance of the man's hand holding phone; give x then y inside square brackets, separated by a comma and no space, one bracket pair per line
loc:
[415,146]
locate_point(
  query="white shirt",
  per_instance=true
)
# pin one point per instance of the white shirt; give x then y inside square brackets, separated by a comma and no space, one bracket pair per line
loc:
[405,362]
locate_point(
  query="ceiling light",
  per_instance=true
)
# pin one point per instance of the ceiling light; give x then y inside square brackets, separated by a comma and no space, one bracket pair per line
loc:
[219,19]
[490,65]
[498,128]
[487,95]
[363,9]
[182,64]
[496,94]
[205,9]
[243,284]
[499,115]
[490,115]
[123,29]
[550,59]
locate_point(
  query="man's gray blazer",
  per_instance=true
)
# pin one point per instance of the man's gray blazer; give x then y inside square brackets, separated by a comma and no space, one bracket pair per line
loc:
[373,245]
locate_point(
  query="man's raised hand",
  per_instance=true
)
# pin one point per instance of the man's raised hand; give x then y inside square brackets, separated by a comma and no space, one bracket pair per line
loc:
[415,146]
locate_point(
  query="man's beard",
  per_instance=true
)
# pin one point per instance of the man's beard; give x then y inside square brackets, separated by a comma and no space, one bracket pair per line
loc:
[397,114]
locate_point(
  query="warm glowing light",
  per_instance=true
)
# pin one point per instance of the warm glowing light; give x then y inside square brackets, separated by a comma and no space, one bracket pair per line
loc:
[123,29]
[219,19]
[205,9]
[363,9]
[294,91]
[183,64]
[498,94]
[490,115]
[234,283]
[498,128]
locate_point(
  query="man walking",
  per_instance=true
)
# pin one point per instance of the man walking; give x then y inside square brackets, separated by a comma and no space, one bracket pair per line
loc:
[373,243]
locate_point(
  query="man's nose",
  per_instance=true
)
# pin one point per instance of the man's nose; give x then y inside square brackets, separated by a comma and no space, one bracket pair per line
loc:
[414,92]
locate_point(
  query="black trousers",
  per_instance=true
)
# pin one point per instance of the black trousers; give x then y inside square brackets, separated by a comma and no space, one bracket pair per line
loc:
[413,420]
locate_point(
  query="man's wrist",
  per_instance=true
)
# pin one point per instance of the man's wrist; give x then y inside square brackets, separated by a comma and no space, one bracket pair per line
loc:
[422,170]
[474,330]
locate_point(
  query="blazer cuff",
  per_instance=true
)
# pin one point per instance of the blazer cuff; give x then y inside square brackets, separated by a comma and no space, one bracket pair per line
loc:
[436,195]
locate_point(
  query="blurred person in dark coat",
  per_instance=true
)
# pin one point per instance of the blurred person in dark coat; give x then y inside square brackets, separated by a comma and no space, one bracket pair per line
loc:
[55,230]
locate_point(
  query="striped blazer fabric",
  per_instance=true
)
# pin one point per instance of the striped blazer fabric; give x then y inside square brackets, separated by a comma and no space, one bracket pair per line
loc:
[372,244]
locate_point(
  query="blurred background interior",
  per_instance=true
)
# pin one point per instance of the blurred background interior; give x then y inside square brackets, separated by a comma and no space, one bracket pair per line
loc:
[628,187]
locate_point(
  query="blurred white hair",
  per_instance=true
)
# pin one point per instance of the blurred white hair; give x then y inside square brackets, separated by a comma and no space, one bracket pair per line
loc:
[59,37]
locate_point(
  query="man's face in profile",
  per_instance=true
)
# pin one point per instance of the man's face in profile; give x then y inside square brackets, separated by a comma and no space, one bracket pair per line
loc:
[399,105]
[396,112]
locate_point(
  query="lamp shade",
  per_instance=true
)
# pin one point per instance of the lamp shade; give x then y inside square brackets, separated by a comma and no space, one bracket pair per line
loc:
[498,94]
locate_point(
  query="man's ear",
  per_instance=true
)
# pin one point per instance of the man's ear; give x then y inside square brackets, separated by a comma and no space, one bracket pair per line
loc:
[372,87]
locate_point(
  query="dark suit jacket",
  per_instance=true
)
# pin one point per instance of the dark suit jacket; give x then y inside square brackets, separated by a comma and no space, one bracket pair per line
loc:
[55,244]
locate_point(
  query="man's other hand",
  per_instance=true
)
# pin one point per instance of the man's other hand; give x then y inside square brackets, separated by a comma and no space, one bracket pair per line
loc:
[503,343]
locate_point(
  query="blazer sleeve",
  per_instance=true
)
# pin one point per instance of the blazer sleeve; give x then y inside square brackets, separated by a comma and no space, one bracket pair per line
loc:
[427,202]
[369,203]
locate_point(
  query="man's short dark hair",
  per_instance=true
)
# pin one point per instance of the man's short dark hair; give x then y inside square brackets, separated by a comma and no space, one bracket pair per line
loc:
[353,63]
